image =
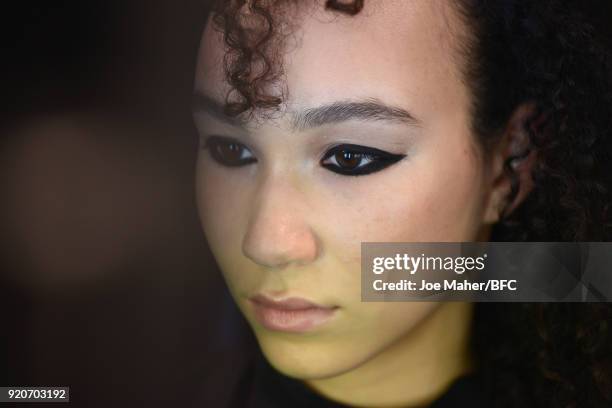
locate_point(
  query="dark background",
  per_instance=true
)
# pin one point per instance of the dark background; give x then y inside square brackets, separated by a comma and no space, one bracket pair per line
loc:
[106,284]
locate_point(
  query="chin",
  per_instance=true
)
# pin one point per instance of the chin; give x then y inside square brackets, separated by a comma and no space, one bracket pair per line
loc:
[313,361]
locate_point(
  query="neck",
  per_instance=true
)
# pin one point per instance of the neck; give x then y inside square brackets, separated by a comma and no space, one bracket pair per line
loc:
[415,370]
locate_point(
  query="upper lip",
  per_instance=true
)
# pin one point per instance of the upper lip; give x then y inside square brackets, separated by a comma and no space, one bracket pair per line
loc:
[290,303]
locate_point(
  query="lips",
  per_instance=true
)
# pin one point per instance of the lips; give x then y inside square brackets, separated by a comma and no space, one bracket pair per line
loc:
[293,315]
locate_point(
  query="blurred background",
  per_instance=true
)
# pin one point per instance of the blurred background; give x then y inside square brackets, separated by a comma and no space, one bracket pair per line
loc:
[106,284]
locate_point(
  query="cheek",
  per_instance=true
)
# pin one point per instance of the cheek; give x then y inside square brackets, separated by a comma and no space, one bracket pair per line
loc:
[435,195]
[222,197]
[391,320]
[210,193]
[222,200]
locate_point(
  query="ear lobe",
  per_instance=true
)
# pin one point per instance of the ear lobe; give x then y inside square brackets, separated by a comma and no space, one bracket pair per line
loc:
[512,165]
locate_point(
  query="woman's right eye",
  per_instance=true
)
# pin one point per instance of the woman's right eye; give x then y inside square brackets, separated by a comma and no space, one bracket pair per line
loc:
[229,152]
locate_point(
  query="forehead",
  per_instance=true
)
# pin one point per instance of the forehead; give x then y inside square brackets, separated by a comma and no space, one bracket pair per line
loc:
[403,52]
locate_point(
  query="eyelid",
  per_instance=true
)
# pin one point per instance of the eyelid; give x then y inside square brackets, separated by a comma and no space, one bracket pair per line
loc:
[377,160]
[370,151]
[223,139]
[226,139]
[210,143]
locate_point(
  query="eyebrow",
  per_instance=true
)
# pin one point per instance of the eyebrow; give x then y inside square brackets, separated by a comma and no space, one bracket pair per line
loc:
[370,109]
[204,103]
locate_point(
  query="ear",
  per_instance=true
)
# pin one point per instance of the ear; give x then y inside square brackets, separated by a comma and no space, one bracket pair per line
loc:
[512,161]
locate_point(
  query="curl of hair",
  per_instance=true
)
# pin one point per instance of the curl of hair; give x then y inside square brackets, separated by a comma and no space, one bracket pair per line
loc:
[530,51]
[250,33]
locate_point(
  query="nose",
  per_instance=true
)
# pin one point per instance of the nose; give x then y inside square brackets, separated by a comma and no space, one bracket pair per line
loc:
[278,232]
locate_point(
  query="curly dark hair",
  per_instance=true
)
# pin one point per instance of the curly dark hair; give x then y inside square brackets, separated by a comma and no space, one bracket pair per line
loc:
[544,52]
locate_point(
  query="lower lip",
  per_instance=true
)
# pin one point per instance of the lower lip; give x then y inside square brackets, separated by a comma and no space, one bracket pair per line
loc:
[292,321]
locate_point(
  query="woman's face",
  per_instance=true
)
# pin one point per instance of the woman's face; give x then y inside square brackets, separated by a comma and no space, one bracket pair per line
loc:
[372,143]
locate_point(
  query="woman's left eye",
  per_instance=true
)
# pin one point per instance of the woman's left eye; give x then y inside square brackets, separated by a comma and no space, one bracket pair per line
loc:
[355,160]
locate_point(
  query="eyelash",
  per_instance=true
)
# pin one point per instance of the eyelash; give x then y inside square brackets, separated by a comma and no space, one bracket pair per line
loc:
[368,159]
[375,159]
[215,144]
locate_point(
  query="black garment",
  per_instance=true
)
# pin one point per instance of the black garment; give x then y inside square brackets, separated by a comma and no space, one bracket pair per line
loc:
[264,387]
